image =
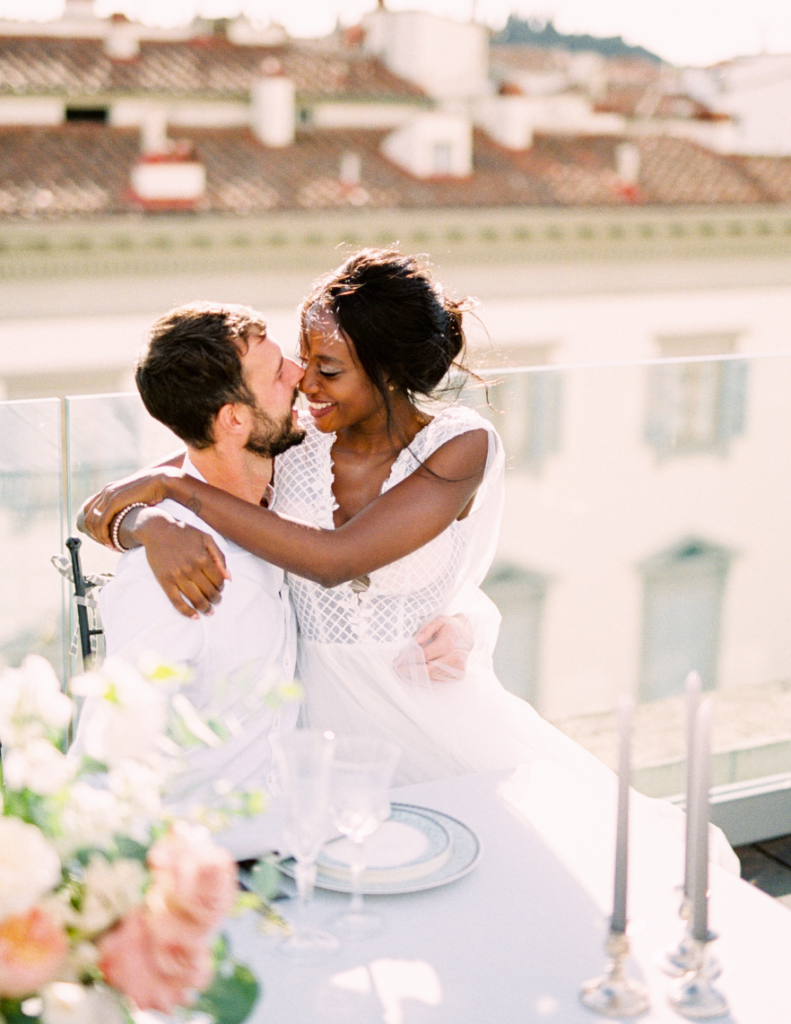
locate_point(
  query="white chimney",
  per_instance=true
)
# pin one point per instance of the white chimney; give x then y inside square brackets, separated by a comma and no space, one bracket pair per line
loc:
[154,131]
[122,41]
[507,119]
[272,108]
[350,169]
[627,163]
[448,59]
[432,145]
[178,182]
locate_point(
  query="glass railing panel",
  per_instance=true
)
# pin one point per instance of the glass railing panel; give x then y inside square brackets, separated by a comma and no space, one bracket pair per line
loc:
[31,590]
[646,534]
[106,437]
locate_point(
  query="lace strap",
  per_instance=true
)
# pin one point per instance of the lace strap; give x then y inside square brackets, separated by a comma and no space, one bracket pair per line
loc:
[447,424]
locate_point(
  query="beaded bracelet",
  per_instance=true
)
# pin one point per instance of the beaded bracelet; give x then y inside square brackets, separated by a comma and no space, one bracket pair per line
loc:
[119,518]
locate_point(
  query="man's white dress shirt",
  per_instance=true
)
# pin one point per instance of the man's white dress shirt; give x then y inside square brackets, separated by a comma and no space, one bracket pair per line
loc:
[250,640]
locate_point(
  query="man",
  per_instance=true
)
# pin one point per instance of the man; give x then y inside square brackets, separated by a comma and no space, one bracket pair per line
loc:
[213,375]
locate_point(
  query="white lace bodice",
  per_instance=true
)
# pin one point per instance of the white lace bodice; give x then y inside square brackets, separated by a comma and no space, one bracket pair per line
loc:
[401,597]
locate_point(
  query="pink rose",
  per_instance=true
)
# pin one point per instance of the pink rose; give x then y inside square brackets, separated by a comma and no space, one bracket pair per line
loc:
[192,876]
[32,946]
[154,964]
[179,952]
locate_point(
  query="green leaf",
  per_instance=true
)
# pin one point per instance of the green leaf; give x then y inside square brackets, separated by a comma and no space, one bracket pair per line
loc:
[231,995]
[11,1013]
[130,849]
[265,879]
[90,766]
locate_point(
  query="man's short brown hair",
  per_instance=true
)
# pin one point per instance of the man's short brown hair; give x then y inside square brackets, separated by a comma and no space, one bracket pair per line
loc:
[191,367]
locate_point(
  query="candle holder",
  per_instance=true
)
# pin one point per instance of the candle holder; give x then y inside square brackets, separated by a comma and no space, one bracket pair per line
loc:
[682,958]
[693,996]
[615,995]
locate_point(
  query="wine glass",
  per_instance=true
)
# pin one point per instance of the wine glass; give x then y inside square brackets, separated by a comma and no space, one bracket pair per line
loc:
[304,758]
[362,768]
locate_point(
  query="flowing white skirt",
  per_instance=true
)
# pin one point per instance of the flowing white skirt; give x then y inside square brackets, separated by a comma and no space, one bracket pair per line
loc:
[449,728]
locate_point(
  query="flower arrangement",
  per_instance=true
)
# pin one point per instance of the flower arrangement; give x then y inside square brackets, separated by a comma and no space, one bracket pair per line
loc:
[107,906]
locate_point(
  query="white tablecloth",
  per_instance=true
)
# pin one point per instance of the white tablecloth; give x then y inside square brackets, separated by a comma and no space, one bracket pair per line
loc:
[514,940]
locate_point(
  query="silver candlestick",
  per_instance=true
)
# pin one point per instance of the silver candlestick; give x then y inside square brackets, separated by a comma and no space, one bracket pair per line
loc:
[682,958]
[615,995]
[694,996]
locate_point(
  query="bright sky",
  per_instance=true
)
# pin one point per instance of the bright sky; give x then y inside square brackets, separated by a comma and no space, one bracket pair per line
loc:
[681,31]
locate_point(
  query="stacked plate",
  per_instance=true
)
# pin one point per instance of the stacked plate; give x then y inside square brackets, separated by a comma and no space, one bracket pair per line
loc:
[416,848]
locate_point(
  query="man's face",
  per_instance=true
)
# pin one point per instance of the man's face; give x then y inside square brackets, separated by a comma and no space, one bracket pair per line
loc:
[272,380]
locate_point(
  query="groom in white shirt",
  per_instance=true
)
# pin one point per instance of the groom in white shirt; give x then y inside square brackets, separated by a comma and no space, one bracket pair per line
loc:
[214,377]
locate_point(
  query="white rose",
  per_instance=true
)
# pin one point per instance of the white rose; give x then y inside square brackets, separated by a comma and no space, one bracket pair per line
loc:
[138,787]
[29,866]
[125,715]
[65,1003]
[30,701]
[111,890]
[38,766]
[41,693]
[91,817]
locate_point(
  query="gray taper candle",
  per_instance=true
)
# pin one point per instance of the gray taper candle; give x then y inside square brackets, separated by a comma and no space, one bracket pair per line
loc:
[625,708]
[692,687]
[700,854]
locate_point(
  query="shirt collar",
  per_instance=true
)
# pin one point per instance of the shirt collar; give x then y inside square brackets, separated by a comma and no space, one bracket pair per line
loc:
[188,467]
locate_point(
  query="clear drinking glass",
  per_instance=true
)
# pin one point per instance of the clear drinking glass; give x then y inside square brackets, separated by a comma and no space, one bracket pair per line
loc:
[304,759]
[362,768]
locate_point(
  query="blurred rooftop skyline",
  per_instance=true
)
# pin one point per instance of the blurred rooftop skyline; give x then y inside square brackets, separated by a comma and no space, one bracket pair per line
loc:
[682,32]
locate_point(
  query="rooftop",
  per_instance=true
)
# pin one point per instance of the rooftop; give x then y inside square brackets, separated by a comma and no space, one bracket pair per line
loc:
[206,66]
[83,168]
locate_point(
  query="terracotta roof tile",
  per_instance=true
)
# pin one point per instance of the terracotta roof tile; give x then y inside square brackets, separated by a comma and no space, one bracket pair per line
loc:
[772,173]
[85,168]
[676,171]
[215,67]
[54,172]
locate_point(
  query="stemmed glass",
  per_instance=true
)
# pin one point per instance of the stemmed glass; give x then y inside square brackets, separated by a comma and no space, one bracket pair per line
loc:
[304,758]
[361,772]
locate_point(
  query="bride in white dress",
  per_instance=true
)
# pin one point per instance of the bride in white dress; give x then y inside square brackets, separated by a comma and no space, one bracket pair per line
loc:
[385,516]
[360,667]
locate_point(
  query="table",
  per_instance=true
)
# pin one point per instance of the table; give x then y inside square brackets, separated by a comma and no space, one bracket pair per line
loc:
[512,942]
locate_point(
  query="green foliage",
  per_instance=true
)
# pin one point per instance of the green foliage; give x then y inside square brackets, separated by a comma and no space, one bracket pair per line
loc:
[11,1013]
[90,766]
[265,879]
[234,991]
[32,808]
[130,849]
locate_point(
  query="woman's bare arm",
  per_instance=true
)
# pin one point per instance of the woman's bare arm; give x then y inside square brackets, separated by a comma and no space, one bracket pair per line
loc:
[397,523]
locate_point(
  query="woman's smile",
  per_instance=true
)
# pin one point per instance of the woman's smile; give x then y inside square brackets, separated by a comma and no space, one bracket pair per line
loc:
[319,409]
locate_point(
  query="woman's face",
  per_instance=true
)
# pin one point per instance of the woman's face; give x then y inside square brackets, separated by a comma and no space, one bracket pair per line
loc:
[339,393]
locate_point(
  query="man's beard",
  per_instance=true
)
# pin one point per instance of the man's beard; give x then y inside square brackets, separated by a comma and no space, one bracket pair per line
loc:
[270,438]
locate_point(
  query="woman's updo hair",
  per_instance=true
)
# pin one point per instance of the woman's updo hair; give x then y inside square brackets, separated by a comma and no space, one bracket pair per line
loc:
[406,332]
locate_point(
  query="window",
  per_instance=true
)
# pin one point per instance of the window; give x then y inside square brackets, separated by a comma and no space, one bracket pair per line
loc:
[443,158]
[97,115]
[519,595]
[682,604]
[526,407]
[696,406]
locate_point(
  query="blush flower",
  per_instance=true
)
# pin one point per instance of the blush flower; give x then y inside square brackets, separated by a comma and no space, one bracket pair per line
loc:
[155,976]
[192,877]
[32,948]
